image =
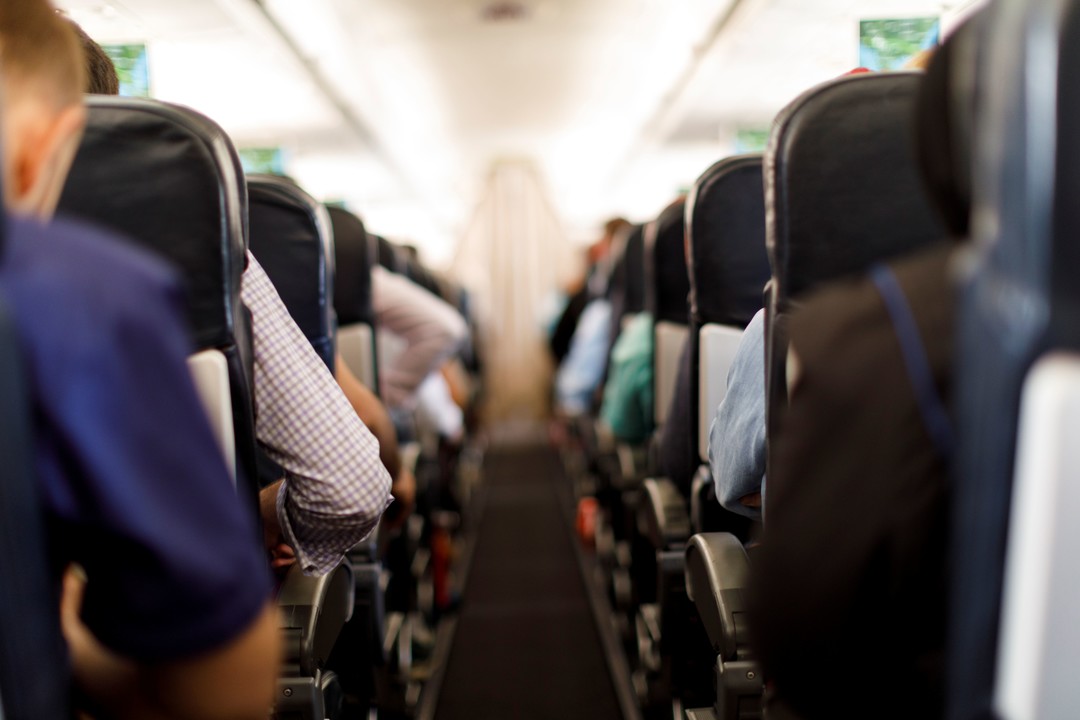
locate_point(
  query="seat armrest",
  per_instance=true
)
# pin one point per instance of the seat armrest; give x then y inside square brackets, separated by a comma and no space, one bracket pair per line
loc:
[314,609]
[664,517]
[717,572]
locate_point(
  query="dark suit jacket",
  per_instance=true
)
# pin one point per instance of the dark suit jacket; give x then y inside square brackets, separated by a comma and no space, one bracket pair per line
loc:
[849,588]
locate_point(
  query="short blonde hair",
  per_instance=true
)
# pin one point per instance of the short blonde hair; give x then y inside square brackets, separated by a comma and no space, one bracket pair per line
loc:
[39,53]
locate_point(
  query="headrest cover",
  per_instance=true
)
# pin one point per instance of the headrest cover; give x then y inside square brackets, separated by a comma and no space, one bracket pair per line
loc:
[841,187]
[291,238]
[726,240]
[389,256]
[628,276]
[668,288]
[169,179]
[354,256]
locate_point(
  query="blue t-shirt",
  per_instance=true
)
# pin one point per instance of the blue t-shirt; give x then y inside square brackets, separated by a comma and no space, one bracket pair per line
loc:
[135,487]
[737,435]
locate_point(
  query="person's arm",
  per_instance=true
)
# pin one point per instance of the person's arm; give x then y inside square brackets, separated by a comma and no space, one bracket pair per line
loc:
[373,413]
[737,435]
[431,329]
[583,369]
[233,682]
[336,487]
[140,495]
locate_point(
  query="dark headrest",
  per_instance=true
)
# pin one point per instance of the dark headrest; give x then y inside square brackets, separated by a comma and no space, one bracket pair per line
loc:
[170,179]
[389,256]
[726,241]
[292,239]
[354,257]
[415,271]
[628,275]
[668,286]
[841,187]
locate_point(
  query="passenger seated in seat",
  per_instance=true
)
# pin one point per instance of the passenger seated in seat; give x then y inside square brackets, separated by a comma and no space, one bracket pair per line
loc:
[628,394]
[432,331]
[581,372]
[174,619]
[337,484]
[737,435]
[858,497]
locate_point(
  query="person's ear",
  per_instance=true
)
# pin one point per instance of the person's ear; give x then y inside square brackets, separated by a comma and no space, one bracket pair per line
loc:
[43,159]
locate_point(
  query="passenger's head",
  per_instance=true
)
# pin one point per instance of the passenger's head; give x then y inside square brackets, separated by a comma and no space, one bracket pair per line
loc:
[41,75]
[944,126]
[101,77]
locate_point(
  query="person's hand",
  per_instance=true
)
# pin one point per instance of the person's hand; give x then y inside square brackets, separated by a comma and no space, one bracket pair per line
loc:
[753,500]
[403,490]
[268,514]
[282,557]
[102,679]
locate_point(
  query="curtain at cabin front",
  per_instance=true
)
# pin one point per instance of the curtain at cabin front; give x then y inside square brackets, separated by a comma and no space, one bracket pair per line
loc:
[514,255]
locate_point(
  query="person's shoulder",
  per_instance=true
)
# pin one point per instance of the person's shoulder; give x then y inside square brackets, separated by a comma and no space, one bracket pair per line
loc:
[844,317]
[843,335]
[77,258]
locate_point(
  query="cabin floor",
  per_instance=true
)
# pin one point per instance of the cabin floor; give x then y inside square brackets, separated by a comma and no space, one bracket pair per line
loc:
[526,643]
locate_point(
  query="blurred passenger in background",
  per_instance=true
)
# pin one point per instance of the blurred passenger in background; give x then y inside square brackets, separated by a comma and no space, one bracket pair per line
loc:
[577,295]
[628,403]
[581,371]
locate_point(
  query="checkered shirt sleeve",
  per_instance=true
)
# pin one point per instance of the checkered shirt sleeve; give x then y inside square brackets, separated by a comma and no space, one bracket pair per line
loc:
[335,488]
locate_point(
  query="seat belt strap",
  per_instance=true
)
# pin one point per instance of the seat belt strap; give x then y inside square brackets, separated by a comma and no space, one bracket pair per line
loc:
[931,407]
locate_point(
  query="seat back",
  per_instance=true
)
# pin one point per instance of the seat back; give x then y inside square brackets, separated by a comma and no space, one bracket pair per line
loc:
[292,239]
[1020,303]
[627,288]
[728,270]
[355,254]
[194,214]
[389,256]
[34,682]
[842,192]
[667,289]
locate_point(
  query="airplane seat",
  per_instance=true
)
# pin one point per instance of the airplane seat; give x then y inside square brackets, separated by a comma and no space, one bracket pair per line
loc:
[194,214]
[727,269]
[291,237]
[389,256]
[1012,611]
[627,286]
[717,569]
[842,192]
[34,679]
[667,289]
[354,258]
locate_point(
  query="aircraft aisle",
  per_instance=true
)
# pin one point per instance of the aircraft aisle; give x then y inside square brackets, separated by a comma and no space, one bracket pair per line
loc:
[526,644]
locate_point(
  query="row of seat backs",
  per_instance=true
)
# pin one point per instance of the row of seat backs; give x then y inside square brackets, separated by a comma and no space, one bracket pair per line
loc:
[842,193]
[170,180]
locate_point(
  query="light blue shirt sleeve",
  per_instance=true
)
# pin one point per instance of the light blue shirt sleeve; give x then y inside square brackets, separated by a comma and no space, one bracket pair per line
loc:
[737,435]
[583,368]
